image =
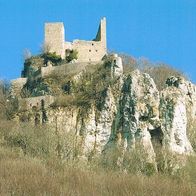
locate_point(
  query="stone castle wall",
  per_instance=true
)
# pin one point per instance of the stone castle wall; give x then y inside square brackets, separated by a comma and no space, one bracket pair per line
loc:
[67,69]
[54,38]
[17,85]
[87,50]
[35,102]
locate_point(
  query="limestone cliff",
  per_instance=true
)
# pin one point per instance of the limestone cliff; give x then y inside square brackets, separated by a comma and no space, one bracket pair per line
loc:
[107,107]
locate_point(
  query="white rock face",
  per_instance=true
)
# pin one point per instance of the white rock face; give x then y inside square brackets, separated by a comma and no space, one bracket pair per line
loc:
[116,67]
[138,112]
[96,128]
[104,123]
[132,113]
[63,119]
[189,92]
[133,116]
[174,120]
[86,128]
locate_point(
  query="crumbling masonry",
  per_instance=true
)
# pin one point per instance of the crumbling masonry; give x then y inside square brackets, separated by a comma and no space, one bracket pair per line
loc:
[87,50]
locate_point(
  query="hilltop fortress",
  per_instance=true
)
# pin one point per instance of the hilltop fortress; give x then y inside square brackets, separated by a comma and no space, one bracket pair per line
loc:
[90,96]
[36,68]
[87,50]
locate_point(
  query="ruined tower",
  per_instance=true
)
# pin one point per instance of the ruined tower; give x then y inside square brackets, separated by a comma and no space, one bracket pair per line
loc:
[88,51]
[54,38]
[101,34]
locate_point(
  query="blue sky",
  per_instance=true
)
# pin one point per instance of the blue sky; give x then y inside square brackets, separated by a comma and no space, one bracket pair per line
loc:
[160,30]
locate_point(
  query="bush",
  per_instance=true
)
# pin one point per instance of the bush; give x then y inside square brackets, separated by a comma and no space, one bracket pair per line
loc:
[39,160]
[23,175]
[53,57]
[5,105]
[92,88]
[161,73]
[73,54]
[191,130]
[64,101]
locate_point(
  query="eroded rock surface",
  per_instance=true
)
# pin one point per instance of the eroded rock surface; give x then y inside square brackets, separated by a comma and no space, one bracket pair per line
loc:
[174,120]
[135,112]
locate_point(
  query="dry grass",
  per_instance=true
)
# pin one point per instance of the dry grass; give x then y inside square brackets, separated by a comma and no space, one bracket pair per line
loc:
[160,73]
[20,175]
[38,170]
[64,101]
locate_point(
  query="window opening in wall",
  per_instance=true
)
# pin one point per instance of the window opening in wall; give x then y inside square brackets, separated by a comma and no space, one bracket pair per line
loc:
[34,108]
[42,104]
[44,117]
[37,119]
[89,50]
[96,50]
[92,44]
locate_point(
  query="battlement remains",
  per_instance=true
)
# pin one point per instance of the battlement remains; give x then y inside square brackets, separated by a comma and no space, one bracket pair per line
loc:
[88,51]
[16,86]
[35,102]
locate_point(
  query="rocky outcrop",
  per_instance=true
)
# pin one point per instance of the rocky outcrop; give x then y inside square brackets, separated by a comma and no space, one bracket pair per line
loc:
[64,120]
[137,112]
[189,92]
[97,125]
[174,120]
[134,113]
[116,66]
[177,107]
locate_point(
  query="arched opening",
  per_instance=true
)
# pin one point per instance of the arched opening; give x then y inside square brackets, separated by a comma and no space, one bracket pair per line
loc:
[156,136]
[37,119]
[42,104]
[34,108]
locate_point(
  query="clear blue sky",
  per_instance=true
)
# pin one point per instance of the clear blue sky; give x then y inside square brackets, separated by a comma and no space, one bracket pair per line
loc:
[160,30]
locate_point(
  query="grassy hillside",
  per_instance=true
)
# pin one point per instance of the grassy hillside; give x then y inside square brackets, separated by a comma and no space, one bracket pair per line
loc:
[39,161]
[24,175]
[31,163]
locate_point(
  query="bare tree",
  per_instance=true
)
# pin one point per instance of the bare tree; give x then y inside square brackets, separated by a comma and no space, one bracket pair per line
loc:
[45,48]
[26,54]
[3,99]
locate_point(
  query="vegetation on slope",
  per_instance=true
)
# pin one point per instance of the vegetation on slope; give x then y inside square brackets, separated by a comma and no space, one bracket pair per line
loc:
[41,161]
[158,71]
[62,83]
[22,175]
[31,163]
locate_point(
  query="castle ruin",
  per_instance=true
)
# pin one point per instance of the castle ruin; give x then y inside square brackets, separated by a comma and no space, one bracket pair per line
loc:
[88,51]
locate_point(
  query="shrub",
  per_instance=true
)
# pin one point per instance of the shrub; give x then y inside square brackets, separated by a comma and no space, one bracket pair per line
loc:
[160,73]
[64,101]
[6,106]
[21,175]
[53,57]
[92,88]
[191,130]
[73,54]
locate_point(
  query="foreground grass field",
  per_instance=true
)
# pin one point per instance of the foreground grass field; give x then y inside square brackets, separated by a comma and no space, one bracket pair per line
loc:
[21,175]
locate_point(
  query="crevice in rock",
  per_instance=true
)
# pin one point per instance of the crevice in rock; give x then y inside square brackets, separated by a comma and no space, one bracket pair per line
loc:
[156,136]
